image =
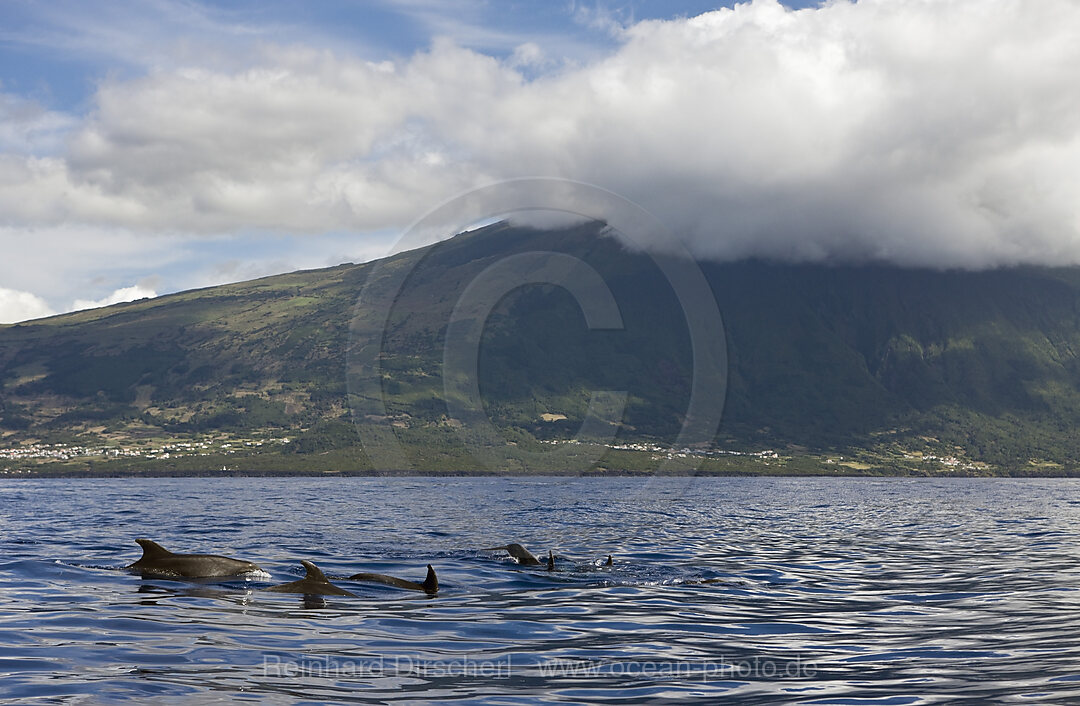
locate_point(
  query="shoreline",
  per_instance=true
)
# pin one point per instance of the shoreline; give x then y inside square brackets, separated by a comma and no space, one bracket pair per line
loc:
[183,473]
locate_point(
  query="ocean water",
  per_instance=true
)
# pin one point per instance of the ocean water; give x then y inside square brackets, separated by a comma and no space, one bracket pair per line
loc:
[819,591]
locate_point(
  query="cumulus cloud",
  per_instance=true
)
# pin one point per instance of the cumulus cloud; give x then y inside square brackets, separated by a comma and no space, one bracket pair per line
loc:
[16,306]
[124,294]
[917,132]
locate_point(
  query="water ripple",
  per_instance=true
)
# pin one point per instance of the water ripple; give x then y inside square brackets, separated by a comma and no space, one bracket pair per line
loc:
[838,591]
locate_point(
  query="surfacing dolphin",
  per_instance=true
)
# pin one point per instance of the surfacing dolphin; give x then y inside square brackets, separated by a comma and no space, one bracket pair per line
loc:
[520,553]
[430,584]
[159,561]
[314,583]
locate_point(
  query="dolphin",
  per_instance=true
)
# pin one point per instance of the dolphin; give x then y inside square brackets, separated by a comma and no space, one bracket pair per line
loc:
[314,583]
[523,555]
[156,560]
[430,584]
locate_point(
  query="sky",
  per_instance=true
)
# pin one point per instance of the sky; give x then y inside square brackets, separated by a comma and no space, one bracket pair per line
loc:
[153,146]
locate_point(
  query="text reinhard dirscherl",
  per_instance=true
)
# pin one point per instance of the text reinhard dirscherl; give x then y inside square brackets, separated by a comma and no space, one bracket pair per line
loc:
[324,666]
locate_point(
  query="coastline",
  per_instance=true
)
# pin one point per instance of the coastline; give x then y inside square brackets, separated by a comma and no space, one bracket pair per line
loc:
[456,473]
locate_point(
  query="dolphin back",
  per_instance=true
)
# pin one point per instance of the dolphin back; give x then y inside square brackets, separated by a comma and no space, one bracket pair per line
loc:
[159,561]
[523,555]
[429,585]
[518,552]
[314,583]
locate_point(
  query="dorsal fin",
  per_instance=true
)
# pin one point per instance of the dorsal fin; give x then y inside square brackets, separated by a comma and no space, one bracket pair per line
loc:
[314,573]
[151,549]
[551,561]
[609,561]
[431,583]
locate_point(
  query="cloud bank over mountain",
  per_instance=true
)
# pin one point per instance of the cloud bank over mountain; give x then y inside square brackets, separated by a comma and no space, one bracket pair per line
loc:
[18,306]
[941,133]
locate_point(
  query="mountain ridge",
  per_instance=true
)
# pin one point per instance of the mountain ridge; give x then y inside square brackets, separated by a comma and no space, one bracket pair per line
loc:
[886,365]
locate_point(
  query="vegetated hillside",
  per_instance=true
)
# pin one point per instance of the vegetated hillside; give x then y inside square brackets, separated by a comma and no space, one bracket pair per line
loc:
[820,357]
[265,353]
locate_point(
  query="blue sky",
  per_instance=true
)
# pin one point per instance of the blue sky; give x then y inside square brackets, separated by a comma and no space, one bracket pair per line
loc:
[56,52]
[149,146]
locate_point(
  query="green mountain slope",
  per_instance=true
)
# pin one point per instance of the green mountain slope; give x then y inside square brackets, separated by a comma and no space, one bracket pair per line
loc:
[877,363]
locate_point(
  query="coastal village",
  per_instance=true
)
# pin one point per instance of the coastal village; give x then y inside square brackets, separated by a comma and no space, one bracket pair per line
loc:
[30,457]
[13,459]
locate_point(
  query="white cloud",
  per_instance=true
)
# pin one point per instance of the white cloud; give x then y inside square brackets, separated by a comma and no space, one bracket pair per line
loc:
[124,294]
[28,128]
[16,306]
[528,55]
[924,132]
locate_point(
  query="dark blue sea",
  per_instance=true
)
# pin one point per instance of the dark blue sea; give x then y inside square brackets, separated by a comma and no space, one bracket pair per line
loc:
[748,591]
